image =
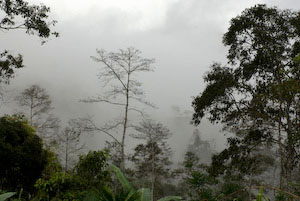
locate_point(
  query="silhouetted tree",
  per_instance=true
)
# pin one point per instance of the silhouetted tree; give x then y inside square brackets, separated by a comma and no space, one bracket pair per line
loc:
[201,148]
[37,105]
[195,183]
[115,150]
[22,157]
[120,70]
[259,89]
[18,14]
[152,159]
[69,145]
[92,168]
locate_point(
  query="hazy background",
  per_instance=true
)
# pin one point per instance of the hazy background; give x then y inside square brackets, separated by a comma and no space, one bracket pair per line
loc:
[184,36]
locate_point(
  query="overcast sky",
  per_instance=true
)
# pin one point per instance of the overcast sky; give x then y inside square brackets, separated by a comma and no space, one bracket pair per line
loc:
[184,36]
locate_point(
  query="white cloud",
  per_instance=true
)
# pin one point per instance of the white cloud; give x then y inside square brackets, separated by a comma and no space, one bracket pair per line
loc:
[142,14]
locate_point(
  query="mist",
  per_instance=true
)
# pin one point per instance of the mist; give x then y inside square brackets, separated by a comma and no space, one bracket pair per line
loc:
[184,38]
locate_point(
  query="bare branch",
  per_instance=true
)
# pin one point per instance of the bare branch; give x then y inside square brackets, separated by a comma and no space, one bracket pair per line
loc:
[99,99]
[87,125]
[141,112]
[103,60]
[141,100]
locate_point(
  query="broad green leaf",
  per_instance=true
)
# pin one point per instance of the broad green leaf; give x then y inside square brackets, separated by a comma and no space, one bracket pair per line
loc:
[145,194]
[103,194]
[133,196]
[169,198]
[92,196]
[107,194]
[6,196]
[124,182]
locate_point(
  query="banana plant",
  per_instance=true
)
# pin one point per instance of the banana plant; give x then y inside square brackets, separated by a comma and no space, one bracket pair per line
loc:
[5,196]
[129,194]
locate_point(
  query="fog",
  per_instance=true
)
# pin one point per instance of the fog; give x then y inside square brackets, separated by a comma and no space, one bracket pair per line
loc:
[184,37]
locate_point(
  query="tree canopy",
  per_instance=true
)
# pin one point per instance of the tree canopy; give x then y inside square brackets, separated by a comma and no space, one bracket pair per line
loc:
[259,88]
[19,14]
[93,168]
[22,157]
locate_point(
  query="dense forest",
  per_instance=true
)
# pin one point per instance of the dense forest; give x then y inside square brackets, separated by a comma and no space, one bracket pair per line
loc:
[255,96]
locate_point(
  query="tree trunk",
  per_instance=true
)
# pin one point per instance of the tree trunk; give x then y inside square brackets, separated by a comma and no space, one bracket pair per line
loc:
[66,155]
[153,171]
[124,134]
[125,121]
[290,158]
[31,111]
[281,185]
[153,186]
[281,156]
[250,186]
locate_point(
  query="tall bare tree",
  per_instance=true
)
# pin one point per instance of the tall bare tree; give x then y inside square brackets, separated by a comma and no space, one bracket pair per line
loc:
[119,69]
[37,107]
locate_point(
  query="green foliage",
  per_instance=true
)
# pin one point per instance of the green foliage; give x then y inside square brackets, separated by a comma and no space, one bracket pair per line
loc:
[92,169]
[152,154]
[256,96]
[260,196]
[195,182]
[123,180]
[129,193]
[60,186]
[106,194]
[220,81]
[145,194]
[18,14]
[90,173]
[242,156]
[152,158]
[261,42]
[232,190]
[8,64]
[169,198]
[52,167]
[22,157]
[269,31]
